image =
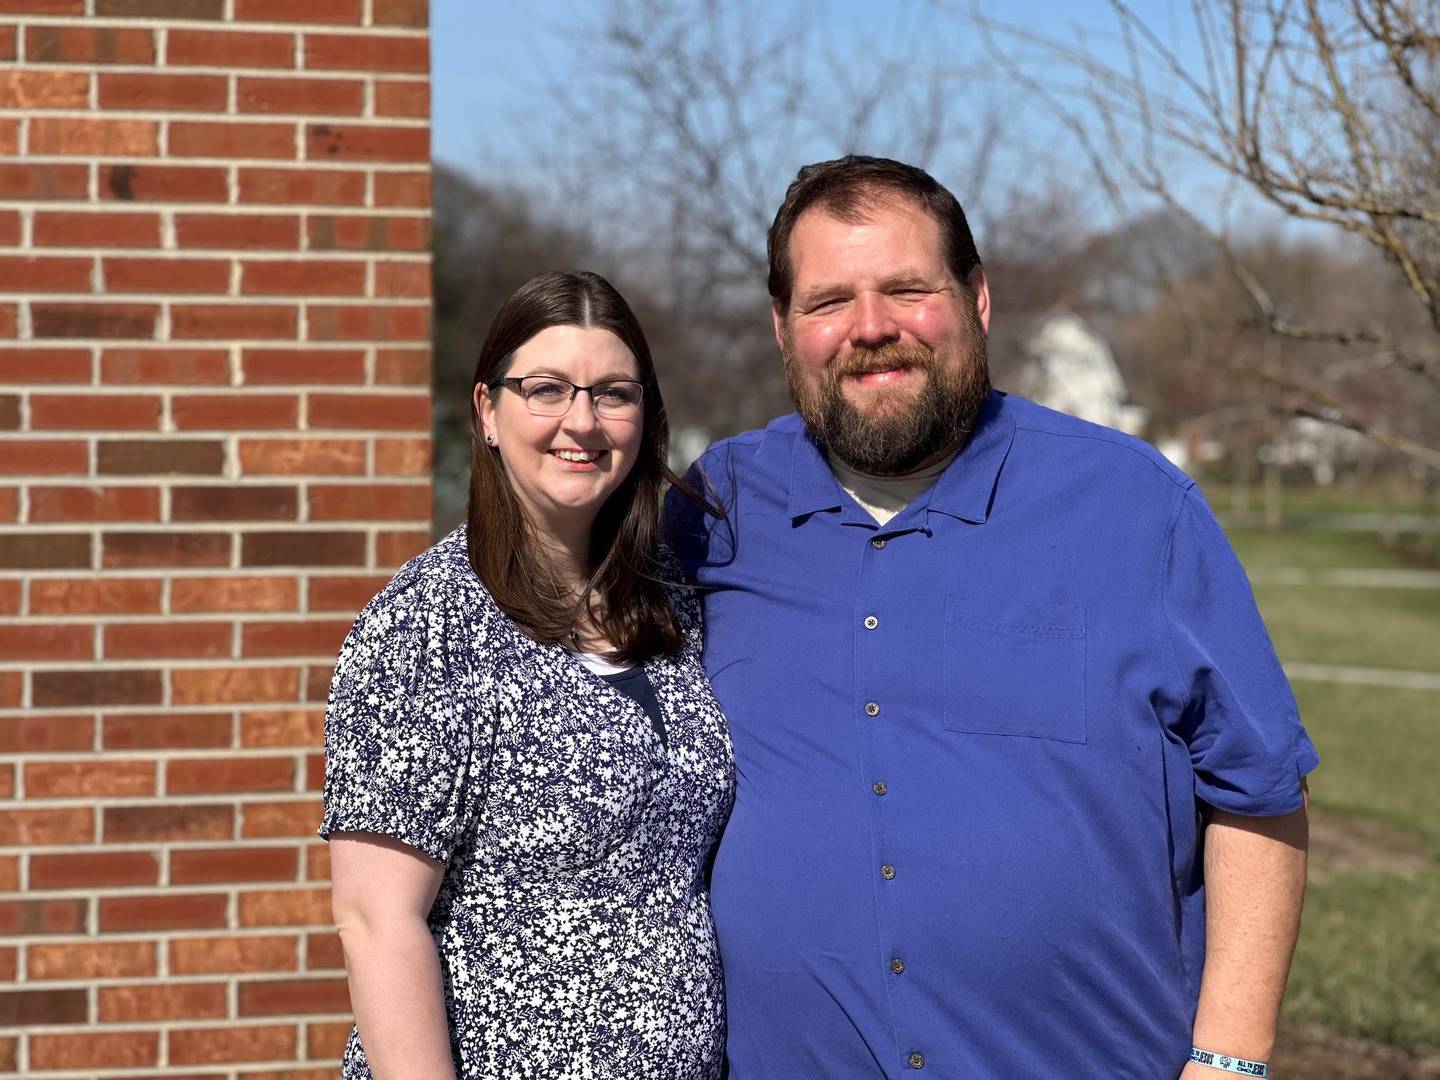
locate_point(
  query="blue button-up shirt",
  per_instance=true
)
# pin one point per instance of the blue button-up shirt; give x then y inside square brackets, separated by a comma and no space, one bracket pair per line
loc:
[974,747]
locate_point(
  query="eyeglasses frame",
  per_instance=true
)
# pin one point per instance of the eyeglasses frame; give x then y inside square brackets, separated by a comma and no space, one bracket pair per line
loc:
[515,383]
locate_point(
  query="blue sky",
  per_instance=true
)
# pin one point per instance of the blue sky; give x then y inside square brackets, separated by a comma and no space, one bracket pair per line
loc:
[491,59]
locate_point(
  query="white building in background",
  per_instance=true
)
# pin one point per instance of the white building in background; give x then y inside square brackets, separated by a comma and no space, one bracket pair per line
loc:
[1068,367]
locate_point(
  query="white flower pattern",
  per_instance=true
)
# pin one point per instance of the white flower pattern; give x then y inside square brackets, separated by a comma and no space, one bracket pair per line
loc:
[573,920]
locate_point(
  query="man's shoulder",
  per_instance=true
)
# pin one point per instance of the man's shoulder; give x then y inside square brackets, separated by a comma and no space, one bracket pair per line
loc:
[1051,432]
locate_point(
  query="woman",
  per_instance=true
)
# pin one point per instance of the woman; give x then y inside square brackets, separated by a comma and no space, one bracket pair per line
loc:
[525,768]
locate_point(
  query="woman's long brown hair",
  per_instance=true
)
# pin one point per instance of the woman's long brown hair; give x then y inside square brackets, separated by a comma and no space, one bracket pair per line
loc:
[625,598]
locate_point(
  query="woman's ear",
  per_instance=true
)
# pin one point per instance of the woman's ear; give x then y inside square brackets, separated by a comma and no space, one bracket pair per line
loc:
[485,410]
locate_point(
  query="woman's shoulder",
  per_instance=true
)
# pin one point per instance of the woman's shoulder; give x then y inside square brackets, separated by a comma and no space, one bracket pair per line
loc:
[439,582]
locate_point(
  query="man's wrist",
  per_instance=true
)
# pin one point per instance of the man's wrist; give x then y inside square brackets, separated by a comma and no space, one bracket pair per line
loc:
[1228,1063]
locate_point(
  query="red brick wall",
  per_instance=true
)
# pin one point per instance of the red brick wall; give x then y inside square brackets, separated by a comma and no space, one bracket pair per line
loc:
[214,446]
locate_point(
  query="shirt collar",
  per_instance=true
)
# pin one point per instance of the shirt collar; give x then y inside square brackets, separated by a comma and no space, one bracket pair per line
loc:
[963,491]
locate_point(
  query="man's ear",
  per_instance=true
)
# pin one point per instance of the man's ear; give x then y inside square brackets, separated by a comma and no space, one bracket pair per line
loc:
[980,286]
[778,315]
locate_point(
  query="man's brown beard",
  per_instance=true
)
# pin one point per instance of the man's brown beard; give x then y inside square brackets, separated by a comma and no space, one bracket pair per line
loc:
[901,431]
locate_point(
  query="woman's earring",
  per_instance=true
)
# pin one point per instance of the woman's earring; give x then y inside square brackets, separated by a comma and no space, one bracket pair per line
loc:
[489,440]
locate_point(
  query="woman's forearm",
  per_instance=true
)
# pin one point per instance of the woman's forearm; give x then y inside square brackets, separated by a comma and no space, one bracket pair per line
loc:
[395,991]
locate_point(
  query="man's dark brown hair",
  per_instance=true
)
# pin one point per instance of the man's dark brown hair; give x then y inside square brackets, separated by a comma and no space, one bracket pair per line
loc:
[849,188]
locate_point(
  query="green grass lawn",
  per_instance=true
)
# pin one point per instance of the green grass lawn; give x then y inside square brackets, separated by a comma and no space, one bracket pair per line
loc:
[1368,963]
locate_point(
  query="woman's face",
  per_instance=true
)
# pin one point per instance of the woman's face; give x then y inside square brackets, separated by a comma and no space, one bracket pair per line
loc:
[563,468]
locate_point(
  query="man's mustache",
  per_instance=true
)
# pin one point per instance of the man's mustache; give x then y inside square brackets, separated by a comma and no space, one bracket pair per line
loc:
[866,361]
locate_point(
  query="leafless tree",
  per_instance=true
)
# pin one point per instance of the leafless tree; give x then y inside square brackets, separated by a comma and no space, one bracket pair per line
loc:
[1326,110]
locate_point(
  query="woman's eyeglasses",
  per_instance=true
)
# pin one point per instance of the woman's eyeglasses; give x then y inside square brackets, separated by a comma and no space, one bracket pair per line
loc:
[547,395]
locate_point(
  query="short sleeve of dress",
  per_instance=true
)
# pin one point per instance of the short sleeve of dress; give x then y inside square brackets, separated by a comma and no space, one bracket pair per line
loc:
[1239,718]
[399,725]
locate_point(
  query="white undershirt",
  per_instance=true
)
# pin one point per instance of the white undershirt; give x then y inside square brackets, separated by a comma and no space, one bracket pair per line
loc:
[885,496]
[599,665]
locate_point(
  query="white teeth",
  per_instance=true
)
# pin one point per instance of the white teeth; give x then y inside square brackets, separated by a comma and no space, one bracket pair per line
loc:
[576,455]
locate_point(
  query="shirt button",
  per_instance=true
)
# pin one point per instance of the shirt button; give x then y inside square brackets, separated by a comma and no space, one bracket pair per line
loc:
[917,1061]
[871,709]
[878,545]
[887,872]
[879,787]
[871,622]
[897,966]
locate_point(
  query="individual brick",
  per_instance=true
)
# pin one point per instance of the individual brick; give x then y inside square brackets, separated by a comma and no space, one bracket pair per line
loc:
[293,638]
[96,229]
[166,275]
[286,907]
[309,186]
[327,1041]
[302,366]
[347,593]
[10,587]
[12,687]
[402,279]
[95,412]
[91,960]
[384,412]
[93,1050]
[229,322]
[161,9]
[33,917]
[43,457]
[163,911]
[340,12]
[164,549]
[62,689]
[227,139]
[246,593]
[89,779]
[168,93]
[166,367]
[166,731]
[89,45]
[369,502]
[408,13]
[235,411]
[282,727]
[94,320]
[87,137]
[320,97]
[41,641]
[231,1043]
[95,596]
[164,183]
[45,365]
[285,997]
[356,322]
[233,864]
[405,98]
[94,869]
[297,457]
[367,53]
[40,180]
[232,503]
[302,277]
[402,189]
[29,273]
[275,819]
[317,862]
[162,824]
[362,142]
[347,232]
[402,457]
[44,551]
[46,734]
[233,955]
[206,776]
[160,457]
[302,548]
[248,232]
[63,504]
[168,640]
[230,49]
[395,548]
[44,89]
[147,1001]
[33,1008]
[234,685]
[59,825]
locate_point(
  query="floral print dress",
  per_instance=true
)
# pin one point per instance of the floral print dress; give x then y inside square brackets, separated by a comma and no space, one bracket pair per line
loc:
[572,922]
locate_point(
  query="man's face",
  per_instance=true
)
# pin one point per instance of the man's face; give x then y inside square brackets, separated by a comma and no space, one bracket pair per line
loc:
[884,350]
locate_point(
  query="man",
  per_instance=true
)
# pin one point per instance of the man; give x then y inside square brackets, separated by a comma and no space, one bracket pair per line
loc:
[1010,735]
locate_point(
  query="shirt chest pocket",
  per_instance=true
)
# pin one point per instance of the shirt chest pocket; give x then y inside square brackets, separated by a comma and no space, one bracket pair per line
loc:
[1014,669]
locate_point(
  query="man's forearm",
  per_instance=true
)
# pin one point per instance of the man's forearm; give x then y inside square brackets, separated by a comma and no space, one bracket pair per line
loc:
[395,992]
[1254,888]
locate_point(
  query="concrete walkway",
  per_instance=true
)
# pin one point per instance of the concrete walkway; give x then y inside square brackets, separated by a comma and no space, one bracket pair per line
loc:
[1366,579]
[1365,676]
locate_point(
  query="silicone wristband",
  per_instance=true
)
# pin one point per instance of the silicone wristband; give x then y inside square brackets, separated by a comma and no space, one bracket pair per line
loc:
[1225,1063]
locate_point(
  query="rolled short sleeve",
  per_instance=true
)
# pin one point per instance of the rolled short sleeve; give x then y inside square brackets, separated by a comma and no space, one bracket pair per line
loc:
[399,725]
[692,535]
[1247,747]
